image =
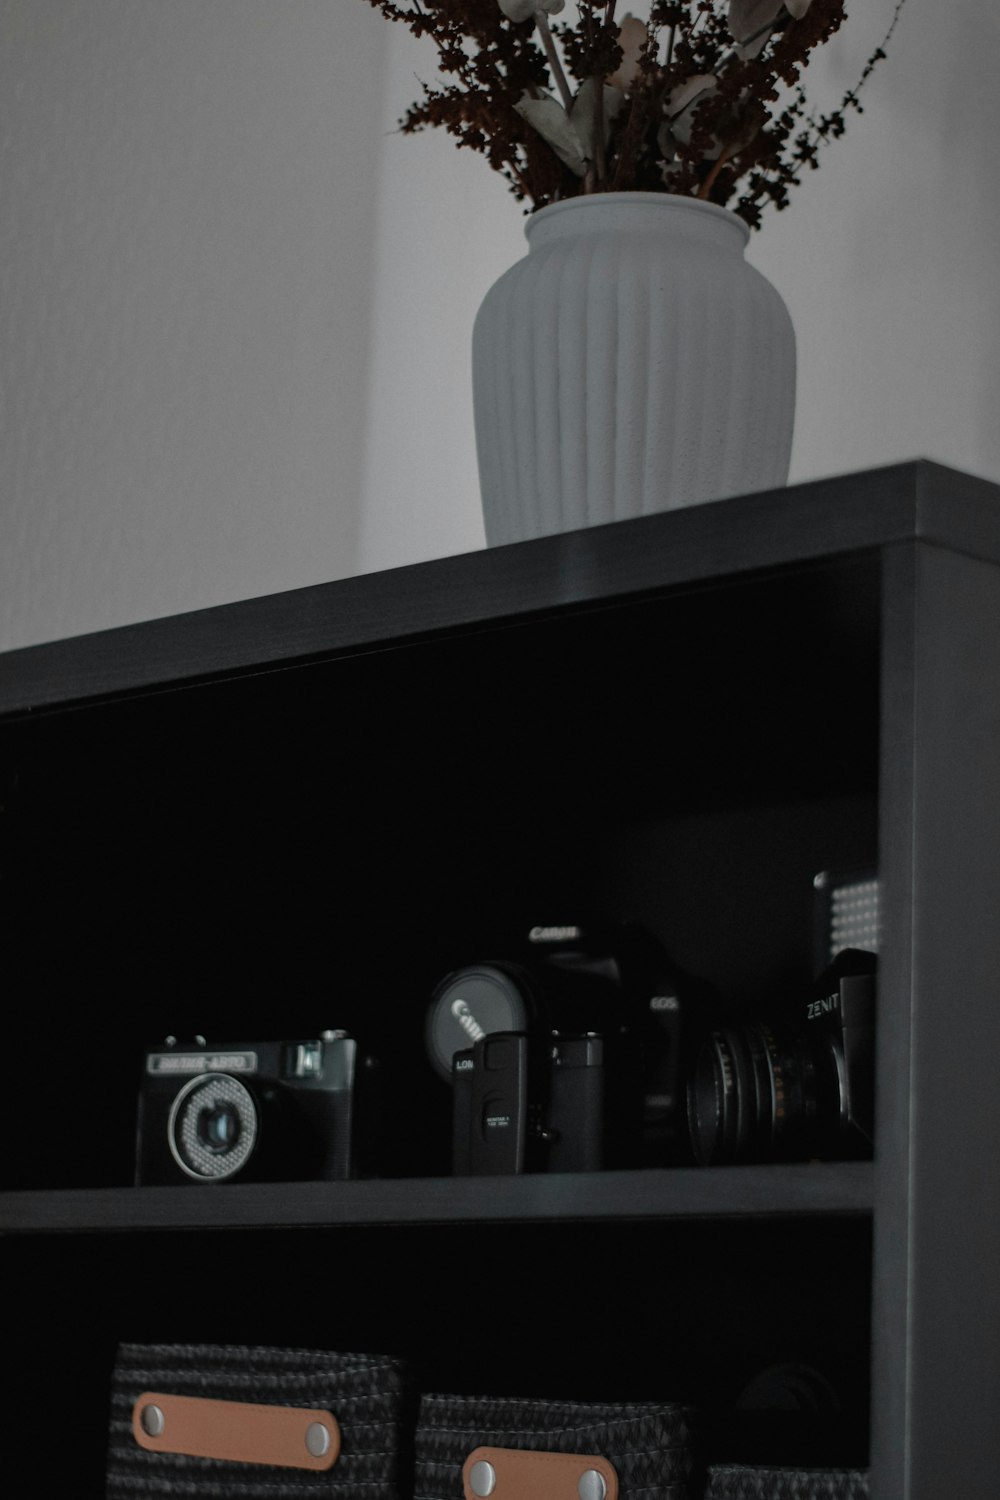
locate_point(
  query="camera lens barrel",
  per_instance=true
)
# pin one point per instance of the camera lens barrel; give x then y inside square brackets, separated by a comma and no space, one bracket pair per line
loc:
[752,1097]
[213,1126]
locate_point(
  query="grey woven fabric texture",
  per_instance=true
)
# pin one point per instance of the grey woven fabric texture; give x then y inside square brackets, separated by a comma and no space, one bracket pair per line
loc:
[366,1393]
[738,1482]
[650,1444]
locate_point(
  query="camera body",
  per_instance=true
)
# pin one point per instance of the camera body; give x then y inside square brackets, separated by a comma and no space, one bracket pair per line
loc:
[565,1054]
[796,1085]
[522,1110]
[271,1111]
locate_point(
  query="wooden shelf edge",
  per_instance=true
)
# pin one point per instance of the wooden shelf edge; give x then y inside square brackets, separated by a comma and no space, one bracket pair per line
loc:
[773,1191]
[809,521]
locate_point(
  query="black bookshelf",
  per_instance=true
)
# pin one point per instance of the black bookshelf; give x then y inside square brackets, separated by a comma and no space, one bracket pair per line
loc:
[300,811]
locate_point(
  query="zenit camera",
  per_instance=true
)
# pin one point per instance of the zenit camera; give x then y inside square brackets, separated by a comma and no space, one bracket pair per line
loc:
[249,1111]
[564,1055]
[796,1084]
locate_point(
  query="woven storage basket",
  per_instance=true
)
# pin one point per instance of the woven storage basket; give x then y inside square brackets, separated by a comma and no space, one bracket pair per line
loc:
[366,1394]
[649,1444]
[739,1482]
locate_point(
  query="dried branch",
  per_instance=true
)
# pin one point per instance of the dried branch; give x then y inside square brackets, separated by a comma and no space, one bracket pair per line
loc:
[707,101]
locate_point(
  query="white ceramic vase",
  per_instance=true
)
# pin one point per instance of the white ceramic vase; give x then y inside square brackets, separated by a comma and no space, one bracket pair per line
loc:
[631,362]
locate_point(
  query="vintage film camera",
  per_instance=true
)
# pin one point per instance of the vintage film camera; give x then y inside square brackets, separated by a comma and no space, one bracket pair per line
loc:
[566,1055]
[252,1111]
[797,1084]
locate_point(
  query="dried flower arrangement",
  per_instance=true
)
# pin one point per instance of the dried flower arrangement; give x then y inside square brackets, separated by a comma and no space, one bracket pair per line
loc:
[703,98]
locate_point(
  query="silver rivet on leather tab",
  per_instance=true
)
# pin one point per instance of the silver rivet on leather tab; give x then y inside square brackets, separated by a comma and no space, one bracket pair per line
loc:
[592,1485]
[152,1421]
[482,1478]
[317,1439]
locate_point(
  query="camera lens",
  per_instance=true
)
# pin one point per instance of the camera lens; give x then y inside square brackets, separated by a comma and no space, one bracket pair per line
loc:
[212,1129]
[752,1096]
[218,1126]
[474,1002]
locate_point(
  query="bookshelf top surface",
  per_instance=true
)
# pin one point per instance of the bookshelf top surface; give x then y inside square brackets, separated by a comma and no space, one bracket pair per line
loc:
[806,523]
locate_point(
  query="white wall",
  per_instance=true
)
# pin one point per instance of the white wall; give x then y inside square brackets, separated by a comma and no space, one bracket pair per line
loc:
[235,305]
[888,256]
[186,223]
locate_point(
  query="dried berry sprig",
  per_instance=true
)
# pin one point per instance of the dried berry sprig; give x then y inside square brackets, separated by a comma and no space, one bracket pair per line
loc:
[782,168]
[702,99]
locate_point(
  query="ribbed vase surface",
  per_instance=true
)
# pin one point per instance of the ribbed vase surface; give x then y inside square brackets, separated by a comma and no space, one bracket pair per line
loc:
[631,362]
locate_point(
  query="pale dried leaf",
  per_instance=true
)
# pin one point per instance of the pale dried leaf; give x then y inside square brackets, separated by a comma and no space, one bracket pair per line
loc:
[748,17]
[518,10]
[547,116]
[582,113]
[632,37]
[683,100]
[756,45]
[665,142]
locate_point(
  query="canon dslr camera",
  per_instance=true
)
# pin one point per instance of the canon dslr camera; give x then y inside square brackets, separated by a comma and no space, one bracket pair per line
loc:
[564,1055]
[252,1111]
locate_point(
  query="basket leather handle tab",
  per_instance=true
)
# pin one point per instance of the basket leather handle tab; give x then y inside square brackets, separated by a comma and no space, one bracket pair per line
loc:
[516,1474]
[238,1431]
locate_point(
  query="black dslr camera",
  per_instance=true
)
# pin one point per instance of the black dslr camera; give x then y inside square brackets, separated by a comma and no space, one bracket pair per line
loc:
[516,1111]
[564,1056]
[794,1086]
[253,1111]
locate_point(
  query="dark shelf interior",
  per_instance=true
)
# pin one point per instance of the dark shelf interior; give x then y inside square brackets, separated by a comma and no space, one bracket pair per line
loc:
[276,852]
[558,1311]
[279,853]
